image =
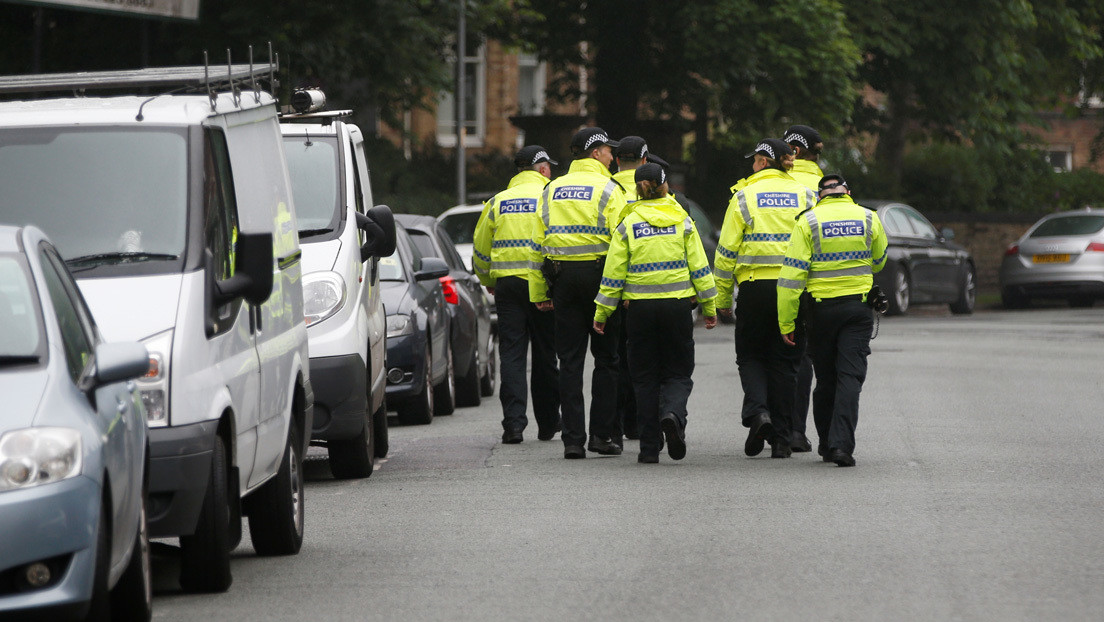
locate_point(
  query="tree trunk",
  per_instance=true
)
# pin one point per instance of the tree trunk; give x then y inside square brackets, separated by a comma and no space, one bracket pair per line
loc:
[616,94]
[890,152]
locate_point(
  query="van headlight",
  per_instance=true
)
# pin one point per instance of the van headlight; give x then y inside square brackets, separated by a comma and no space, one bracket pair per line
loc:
[323,295]
[399,325]
[154,386]
[36,456]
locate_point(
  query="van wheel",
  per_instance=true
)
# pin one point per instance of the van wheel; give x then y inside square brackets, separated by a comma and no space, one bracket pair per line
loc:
[967,293]
[901,293]
[205,555]
[132,598]
[489,380]
[277,529]
[418,410]
[379,431]
[444,394]
[467,388]
[351,458]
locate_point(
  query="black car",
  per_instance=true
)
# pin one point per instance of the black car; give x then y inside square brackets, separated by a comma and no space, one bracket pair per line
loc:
[472,335]
[922,264]
[419,356]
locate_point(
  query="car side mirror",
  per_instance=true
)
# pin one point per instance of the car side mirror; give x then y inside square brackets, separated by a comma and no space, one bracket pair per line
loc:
[252,278]
[378,226]
[946,233]
[116,362]
[432,268]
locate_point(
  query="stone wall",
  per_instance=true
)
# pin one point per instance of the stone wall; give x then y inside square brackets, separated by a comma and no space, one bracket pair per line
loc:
[986,236]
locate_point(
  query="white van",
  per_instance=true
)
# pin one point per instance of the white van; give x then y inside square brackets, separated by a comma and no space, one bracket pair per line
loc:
[342,238]
[174,212]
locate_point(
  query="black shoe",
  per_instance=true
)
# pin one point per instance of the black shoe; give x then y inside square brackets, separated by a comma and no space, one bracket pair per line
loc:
[780,449]
[760,429]
[547,435]
[574,452]
[674,435]
[824,452]
[841,458]
[800,443]
[512,437]
[604,446]
[647,458]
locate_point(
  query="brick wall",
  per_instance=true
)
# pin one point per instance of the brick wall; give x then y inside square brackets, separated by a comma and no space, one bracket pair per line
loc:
[986,237]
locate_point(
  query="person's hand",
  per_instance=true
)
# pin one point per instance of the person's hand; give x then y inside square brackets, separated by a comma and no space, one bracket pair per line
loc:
[490,290]
[599,327]
[788,339]
[710,322]
[544,305]
[725,312]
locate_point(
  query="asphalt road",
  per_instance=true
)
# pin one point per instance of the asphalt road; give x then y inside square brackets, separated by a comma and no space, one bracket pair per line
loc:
[977,496]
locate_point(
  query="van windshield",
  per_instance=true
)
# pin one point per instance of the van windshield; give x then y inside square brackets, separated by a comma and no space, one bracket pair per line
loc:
[312,164]
[108,196]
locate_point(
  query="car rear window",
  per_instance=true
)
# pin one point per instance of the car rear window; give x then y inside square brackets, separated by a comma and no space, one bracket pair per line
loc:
[1085,224]
[460,227]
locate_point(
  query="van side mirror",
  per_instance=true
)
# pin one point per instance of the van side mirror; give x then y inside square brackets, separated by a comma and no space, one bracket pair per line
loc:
[432,268]
[116,362]
[379,229]
[252,278]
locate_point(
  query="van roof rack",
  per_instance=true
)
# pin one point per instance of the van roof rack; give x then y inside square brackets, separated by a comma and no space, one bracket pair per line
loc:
[325,117]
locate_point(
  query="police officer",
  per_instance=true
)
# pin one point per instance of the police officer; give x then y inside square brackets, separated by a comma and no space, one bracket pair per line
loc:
[577,212]
[502,259]
[807,145]
[631,154]
[657,264]
[834,251]
[753,242]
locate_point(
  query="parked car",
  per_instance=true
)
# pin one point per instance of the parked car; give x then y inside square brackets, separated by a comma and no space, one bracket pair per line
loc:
[922,265]
[175,213]
[342,237]
[707,231]
[1060,256]
[459,225]
[73,449]
[419,356]
[471,334]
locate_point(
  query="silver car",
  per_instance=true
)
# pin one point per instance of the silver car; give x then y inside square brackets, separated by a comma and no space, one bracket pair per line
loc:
[73,450]
[1060,256]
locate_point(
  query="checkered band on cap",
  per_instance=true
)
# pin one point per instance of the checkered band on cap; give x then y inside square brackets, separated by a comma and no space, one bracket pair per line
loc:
[597,138]
[795,137]
[766,147]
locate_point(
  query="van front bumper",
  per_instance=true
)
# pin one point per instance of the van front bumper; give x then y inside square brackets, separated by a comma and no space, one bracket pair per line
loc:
[180,462]
[340,396]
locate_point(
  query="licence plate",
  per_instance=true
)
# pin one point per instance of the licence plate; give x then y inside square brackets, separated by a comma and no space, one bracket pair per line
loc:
[1063,258]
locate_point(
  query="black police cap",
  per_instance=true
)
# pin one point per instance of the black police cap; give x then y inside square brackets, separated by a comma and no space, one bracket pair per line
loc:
[651,172]
[531,154]
[590,137]
[632,147]
[803,135]
[772,148]
[830,182]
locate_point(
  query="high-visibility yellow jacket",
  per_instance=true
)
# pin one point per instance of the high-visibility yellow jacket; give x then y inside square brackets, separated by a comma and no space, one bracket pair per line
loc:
[627,179]
[835,249]
[577,212]
[503,242]
[807,173]
[756,229]
[655,253]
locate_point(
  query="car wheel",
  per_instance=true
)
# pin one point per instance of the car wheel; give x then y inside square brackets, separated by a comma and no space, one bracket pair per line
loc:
[205,555]
[444,394]
[1081,302]
[468,387]
[418,410]
[967,293]
[901,293]
[490,378]
[132,598]
[1011,299]
[379,431]
[352,458]
[276,522]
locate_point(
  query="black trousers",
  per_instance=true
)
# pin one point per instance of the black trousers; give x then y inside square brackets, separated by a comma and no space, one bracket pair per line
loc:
[520,325]
[768,367]
[661,360]
[573,298]
[839,341]
[626,395]
[804,376]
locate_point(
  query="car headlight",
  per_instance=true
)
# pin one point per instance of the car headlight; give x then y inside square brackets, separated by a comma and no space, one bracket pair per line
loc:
[399,325]
[323,294]
[154,386]
[36,456]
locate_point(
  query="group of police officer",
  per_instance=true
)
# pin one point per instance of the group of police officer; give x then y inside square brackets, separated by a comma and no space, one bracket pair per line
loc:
[614,263]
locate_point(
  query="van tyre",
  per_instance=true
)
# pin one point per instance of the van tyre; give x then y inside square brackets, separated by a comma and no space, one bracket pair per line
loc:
[276,524]
[352,458]
[900,293]
[490,377]
[967,292]
[444,394]
[205,555]
[418,410]
[379,431]
[468,387]
[132,598]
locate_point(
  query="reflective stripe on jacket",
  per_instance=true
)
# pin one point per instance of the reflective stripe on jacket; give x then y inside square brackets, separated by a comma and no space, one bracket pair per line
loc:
[503,242]
[656,253]
[577,213]
[835,249]
[756,230]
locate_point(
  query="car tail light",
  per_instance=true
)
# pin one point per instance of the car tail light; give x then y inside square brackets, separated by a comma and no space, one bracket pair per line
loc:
[448,286]
[1013,249]
[1095,247]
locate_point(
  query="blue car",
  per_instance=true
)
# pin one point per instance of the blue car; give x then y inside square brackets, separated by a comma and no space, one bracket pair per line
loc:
[73,449]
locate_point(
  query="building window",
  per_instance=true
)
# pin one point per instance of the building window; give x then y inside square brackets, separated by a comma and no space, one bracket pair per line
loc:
[475,105]
[1060,158]
[531,79]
